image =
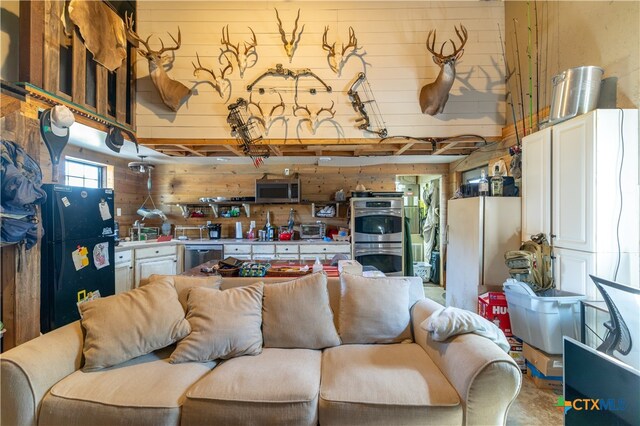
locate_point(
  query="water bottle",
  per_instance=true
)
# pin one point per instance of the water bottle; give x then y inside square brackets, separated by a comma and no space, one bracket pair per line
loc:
[317,266]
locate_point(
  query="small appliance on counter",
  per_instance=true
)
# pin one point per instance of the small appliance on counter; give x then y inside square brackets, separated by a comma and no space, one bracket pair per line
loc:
[214,230]
[313,230]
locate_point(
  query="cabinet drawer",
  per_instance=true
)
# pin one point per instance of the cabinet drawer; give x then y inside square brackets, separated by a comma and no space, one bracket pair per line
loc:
[325,248]
[143,253]
[233,249]
[287,248]
[263,248]
[123,257]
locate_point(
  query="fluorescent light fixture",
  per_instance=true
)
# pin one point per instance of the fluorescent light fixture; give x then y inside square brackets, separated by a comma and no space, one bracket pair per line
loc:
[222,159]
[324,158]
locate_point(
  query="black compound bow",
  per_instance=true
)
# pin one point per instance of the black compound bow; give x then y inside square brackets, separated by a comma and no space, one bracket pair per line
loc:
[364,121]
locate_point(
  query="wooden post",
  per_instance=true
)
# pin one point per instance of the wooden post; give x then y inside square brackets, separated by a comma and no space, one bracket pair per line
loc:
[51,79]
[121,93]
[79,71]
[102,86]
[31,42]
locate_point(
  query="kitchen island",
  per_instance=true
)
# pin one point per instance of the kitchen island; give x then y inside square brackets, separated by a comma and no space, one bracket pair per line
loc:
[136,260]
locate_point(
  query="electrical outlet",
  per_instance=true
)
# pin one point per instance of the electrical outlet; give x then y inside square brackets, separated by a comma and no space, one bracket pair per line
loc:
[286,172]
[118,211]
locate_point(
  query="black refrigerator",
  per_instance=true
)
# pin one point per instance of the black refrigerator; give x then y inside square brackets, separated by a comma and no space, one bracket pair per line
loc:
[77,251]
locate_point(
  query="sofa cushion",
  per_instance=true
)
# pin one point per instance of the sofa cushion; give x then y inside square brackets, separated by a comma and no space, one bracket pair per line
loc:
[121,327]
[296,314]
[279,386]
[144,391]
[385,384]
[224,324]
[374,310]
[183,283]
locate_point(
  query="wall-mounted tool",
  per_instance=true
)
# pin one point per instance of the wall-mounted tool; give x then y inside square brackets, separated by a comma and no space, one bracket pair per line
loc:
[54,129]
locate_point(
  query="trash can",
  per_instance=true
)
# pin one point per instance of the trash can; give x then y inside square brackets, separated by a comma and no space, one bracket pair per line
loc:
[542,319]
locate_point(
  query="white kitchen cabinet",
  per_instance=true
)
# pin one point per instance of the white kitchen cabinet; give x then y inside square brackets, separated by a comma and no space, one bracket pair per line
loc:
[593,160]
[123,271]
[536,182]
[239,251]
[155,260]
[480,231]
[324,252]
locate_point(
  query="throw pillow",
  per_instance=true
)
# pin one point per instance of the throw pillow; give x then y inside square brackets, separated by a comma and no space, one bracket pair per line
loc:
[183,284]
[137,322]
[297,314]
[450,321]
[374,310]
[224,324]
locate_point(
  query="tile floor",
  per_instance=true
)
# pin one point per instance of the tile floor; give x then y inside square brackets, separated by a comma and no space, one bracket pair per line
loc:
[533,406]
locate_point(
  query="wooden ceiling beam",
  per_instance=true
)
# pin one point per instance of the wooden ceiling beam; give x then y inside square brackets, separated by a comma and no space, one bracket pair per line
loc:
[445,148]
[234,150]
[193,151]
[403,149]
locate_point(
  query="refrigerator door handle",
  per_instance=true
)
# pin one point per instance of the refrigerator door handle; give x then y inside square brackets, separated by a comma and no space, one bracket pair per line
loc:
[63,259]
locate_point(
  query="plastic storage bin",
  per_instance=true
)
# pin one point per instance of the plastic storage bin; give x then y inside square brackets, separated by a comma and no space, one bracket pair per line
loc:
[542,319]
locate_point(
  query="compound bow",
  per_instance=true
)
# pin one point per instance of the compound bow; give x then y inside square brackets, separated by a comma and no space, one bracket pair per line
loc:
[359,105]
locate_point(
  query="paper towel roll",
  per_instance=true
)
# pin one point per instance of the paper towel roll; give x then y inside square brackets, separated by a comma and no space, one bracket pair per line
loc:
[239,230]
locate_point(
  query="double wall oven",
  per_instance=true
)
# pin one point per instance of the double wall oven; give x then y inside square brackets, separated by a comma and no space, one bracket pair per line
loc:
[378,225]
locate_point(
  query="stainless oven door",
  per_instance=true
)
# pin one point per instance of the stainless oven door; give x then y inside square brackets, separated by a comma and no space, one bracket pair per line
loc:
[386,257]
[377,225]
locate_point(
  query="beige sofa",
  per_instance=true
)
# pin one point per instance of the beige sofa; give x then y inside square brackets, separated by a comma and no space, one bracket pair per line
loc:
[466,380]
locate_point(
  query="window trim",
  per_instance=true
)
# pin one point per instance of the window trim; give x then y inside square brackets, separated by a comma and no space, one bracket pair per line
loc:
[101,168]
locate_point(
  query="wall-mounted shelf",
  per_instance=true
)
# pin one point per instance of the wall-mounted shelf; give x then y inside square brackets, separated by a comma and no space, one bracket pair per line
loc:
[215,207]
[317,208]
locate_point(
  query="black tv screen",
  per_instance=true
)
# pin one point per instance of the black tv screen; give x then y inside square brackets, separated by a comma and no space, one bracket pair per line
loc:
[598,389]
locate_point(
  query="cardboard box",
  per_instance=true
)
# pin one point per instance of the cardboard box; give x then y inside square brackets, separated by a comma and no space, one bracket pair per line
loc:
[515,352]
[549,365]
[543,382]
[493,306]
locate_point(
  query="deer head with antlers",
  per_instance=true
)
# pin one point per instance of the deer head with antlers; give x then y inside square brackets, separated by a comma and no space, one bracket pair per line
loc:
[337,60]
[434,96]
[244,58]
[290,45]
[171,91]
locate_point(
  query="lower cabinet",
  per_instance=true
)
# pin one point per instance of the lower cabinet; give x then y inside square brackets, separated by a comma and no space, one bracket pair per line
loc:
[165,265]
[123,271]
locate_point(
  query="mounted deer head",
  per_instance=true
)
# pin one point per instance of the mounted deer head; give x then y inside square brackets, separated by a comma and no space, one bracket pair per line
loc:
[434,96]
[337,60]
[290,45]
[245,58]
[171,91]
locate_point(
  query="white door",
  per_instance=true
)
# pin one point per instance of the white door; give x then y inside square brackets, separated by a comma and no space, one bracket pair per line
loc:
[571,269]
[464,252]
[124,277]
[536,184]
[502,233]
[165,265]
[573,178]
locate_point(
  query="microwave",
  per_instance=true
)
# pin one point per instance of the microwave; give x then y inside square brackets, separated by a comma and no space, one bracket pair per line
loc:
[278,190]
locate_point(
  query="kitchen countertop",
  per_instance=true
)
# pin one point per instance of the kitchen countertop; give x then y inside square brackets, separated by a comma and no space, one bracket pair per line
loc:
[128,245]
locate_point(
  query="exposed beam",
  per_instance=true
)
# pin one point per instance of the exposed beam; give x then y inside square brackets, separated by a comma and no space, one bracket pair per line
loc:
[445,148]
[234,150]
[404,148]
[193,151]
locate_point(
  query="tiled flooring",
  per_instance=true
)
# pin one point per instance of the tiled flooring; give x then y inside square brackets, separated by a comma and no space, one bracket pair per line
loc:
[533,406]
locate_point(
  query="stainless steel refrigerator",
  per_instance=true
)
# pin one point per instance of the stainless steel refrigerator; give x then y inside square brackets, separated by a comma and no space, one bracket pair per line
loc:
[77,251]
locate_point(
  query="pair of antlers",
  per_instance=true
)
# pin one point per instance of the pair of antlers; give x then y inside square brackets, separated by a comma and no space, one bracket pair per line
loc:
[135,39]
[290,45]
[462,35]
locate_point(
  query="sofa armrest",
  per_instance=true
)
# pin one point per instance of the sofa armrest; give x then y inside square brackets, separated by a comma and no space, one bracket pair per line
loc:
[28,371]
[485,377]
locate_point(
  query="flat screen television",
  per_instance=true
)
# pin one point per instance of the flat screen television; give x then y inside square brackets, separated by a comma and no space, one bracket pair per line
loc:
[598,389]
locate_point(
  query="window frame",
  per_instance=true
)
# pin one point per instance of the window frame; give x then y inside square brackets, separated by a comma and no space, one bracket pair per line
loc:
[101,180]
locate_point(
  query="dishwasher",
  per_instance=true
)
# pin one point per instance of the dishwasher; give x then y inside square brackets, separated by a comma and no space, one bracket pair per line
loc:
[197,254]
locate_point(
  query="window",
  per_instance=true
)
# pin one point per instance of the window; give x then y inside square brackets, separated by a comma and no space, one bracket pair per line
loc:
[82,173]
[473,176]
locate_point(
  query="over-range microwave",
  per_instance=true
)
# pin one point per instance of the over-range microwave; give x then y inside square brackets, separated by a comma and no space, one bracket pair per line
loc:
[278,190]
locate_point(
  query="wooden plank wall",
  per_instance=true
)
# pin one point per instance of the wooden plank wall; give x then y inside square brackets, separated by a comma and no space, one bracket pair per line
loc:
[392,33]
[130,188]
[187,183]
[21,285]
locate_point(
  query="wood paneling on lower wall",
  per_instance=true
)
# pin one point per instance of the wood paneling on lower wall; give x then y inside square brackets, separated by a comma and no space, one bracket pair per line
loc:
[130,188]
[21,275]
[187,183]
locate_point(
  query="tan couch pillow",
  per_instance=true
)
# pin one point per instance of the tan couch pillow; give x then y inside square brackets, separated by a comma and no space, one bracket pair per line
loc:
[297,314]
[224,324]
[183,283]
[137,322]
[374,310]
